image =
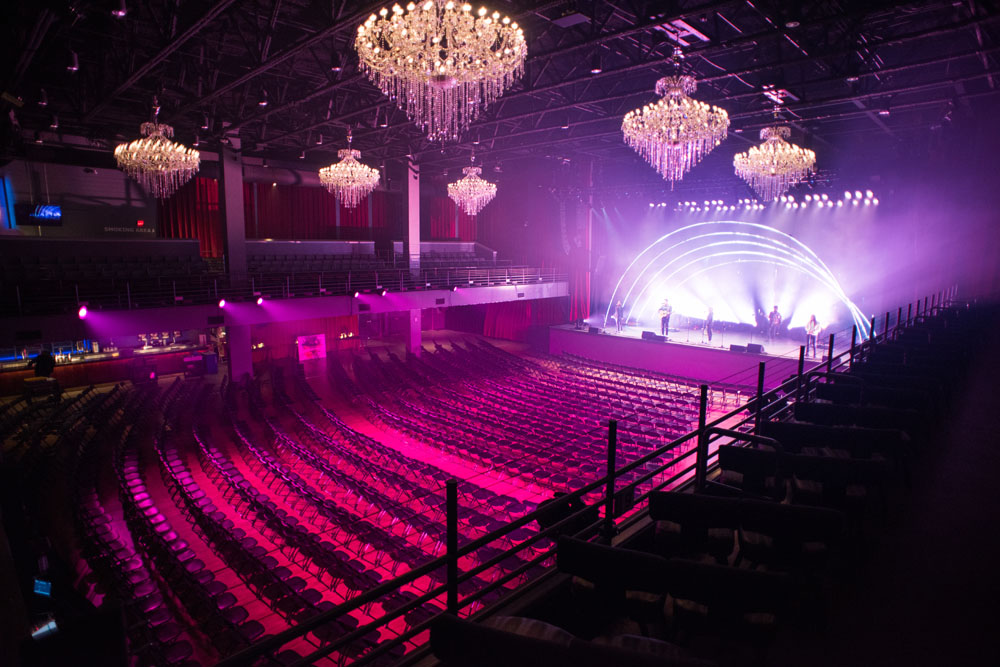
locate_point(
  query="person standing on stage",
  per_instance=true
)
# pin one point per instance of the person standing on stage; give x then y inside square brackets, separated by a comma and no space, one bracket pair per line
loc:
[665,311]
[709,321]
[774,320]
[619,315]
[812,330]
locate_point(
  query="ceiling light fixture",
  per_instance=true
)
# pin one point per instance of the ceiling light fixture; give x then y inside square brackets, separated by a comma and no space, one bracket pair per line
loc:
[676,132]
[775,165]
[441,62]
[349,180]
[159,165]
[74,62]
[121,11]
[471,192]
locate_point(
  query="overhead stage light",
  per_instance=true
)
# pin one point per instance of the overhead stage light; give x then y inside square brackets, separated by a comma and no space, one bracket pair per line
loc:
[222,303]
[260,301]
[82,313]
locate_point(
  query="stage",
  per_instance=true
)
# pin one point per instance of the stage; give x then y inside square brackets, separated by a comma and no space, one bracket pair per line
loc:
[688,354]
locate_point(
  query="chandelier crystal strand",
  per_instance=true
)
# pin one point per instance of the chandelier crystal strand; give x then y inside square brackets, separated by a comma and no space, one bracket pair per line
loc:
[349,180]
[441,62]
[159,165]
[676,132]
[774,166]
[471,192]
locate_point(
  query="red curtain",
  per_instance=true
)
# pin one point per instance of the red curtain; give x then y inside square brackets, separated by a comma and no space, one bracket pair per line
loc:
[442,216]
[511,320]
[193,213]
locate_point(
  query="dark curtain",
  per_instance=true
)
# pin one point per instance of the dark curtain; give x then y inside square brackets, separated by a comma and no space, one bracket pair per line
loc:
[442,217]
[511,320]
[193,213]
[300,212]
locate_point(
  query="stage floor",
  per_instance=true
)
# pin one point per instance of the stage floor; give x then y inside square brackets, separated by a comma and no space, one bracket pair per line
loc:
[783,346]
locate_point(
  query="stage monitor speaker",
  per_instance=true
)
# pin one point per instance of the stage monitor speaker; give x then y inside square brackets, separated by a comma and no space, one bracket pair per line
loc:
[593,330]
[737,348]
[649,335]
[754,348]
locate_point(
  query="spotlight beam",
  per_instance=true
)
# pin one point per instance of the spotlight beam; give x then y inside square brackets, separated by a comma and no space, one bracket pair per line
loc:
[785,249]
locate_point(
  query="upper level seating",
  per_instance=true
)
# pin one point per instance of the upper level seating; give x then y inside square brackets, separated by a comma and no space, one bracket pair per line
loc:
[458,259]
[83,269]
[313,263]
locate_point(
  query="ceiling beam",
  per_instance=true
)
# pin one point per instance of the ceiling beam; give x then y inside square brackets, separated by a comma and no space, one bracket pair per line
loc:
[163,54]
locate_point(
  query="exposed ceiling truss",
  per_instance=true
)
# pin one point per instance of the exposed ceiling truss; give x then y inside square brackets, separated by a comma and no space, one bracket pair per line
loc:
[837,68]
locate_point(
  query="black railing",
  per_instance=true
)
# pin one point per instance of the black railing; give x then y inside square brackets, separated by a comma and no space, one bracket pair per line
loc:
[691,467]
[116,294]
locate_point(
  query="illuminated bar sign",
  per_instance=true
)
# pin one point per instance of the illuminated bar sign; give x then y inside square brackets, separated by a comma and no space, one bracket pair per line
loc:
[38,214]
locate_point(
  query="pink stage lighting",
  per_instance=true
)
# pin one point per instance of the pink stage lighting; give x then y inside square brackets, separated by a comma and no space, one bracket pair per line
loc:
[222,303]
[357,294]
[260,301]
[82,313]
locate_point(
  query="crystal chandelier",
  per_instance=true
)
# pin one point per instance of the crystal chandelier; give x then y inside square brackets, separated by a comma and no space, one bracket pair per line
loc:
[471,192]
[775,165]
[442,63]
[348,179]
[159,165]
[676,132]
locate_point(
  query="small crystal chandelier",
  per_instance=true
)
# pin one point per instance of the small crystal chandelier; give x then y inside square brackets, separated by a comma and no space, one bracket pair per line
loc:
[471,192]
[441,62]
[349,180]
[159,165]
[775,165]
[676,132]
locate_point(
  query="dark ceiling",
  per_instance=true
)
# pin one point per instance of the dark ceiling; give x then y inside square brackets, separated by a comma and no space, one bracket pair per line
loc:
[847,71]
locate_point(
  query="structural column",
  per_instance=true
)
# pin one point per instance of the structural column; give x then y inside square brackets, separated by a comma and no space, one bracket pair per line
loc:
[231,208]
[240,351]
[413,333]
[413,215]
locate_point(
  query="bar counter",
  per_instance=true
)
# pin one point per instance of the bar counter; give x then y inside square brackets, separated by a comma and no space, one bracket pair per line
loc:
[100,368]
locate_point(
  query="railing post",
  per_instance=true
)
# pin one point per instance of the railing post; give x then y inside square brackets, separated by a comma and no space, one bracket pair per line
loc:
[874,335]
[288,287]
[885,326]
[899,320]
[608,530]
[926,299]
[909,313]
[802,368]
[701,460]
[451,514]
[758,416]
[829,356]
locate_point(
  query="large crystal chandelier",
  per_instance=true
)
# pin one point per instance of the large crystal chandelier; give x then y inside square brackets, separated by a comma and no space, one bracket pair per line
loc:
[348,179]
[676,132]
[775,165]
[159,165]
[442,62]
[471,192]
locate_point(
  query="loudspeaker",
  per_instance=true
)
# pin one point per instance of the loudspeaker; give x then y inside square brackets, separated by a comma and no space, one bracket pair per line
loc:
[754,348]
[737,348]
[593,330]
[649,335]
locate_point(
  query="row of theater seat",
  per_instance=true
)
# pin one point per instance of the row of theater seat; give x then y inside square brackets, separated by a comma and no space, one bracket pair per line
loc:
[761,545]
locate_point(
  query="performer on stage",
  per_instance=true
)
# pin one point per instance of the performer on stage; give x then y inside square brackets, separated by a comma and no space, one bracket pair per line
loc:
[665,311]
[709,321]
[812,330]
[774,320]
[619,315]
